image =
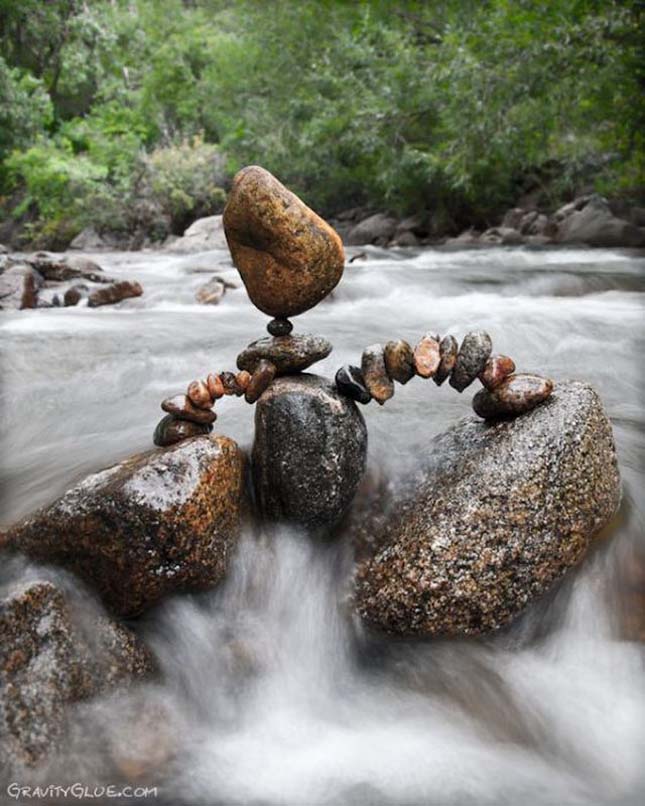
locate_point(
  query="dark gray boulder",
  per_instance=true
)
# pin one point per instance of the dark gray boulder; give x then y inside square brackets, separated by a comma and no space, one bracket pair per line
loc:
[19,285]
[377,229]
[309,451]
[496,515]
[595,225]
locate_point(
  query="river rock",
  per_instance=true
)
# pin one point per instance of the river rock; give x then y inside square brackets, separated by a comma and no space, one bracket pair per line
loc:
[351,383]
[448,352]
[471,360]
[170,430]
[496,369]
[289,354]
[261,379]
[288,257]
[54,652]
[376,229]
[203,235]
[88,240]
[496,514]
[116,292]
[427,356]
[211,293]
[59,268]
[515,395]
[378,382]
[280,327]
[182,408]
[155,524]
[596,225]
[215,386]
[309,451]
[19,284]
[199,395]
[74,295]
[399,361]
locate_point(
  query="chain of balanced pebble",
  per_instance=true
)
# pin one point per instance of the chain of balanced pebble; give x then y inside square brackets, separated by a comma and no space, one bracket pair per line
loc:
[504,393]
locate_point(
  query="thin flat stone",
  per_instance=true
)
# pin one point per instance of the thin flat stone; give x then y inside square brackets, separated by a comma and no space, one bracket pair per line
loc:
[289,354]
[260,381]
[351,383]
[170,430]
[199,395]
[427,356]
[215,386]
[515,395]
[471,360]
[399,361]
[497,368]
[448,351]
[378,382]
[183,409]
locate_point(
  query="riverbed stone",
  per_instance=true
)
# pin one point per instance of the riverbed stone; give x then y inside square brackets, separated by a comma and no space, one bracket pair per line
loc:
[182,408]
[378,382]
[399,361]
[448,351]
[155,524]
[170,430]
[351,383]
[474,352]
[515,395]
[495,514]
[199,395]
[288,257]
[53,653]
[113,293]
[289,354]
[496,369]
[427,356]
[309,452]
[19,285]
[261,379]
[280,327]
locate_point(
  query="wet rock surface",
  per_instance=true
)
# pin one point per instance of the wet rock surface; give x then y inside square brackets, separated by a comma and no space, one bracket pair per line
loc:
[170,430]
[399,361]
[515,395]
[155,524]
[427,356]
[495,370]
[498,513]
[351,383]
[49,659]
[309,451]
[260,380]
[448,352]
[116,292]
[473,354]
[287,256]
[182,407]
[211,293]
[287,353]
[378,382]
[19,284]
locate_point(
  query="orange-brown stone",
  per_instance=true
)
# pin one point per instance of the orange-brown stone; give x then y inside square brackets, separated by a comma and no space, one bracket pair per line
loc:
[287,256]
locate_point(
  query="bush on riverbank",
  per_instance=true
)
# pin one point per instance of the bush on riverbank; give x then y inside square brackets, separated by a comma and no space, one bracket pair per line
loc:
[131,116]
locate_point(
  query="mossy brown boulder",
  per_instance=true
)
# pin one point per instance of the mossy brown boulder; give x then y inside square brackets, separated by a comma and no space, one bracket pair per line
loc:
[155,524]
[498,513]
[287,256]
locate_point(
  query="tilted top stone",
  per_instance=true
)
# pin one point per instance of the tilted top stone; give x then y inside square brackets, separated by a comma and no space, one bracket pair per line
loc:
[287,256]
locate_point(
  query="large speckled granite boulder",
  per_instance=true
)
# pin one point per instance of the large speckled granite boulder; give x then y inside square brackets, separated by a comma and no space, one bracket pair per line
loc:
[155,524]
[309,451]
[51,657]
[287,256]
[498,513]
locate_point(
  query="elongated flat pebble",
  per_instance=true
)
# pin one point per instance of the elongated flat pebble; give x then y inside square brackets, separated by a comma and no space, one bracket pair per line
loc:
[497,368]
[183,409]
[229,383]
[289,354]
[350,382]
[377,381]
[242,379]
[170,430]
[399,361]
[471,360]
[199,395]
[427,356]
[261,378]
[448,350]
[515,395]
[215,386]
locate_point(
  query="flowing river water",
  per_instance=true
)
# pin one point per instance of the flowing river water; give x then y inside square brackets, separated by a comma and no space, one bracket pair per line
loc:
[271,694]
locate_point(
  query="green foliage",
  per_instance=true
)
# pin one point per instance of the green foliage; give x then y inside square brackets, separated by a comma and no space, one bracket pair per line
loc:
[129,114]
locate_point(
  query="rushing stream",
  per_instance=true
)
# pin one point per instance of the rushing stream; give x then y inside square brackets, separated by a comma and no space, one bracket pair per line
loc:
[271,693]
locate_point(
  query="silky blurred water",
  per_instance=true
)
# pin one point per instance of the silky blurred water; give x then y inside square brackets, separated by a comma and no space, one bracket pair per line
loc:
[272,693]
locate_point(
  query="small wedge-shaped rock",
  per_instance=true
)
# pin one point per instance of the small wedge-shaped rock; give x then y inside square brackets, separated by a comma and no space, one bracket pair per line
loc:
[351,383]
[399,361]
[497,368]
[378,382]
[260,381]
[183,409]
[448,351]
[471,360]
[515,395]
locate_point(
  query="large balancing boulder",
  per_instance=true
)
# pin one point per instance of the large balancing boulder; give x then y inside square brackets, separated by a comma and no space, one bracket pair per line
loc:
[497,514]
[309,451]
[288,257]
[155,524]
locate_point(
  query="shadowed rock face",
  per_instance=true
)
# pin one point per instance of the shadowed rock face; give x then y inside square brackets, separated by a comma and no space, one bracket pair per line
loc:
[49,660]
[155,524]
[309,451]
[288,257]
[498,513]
